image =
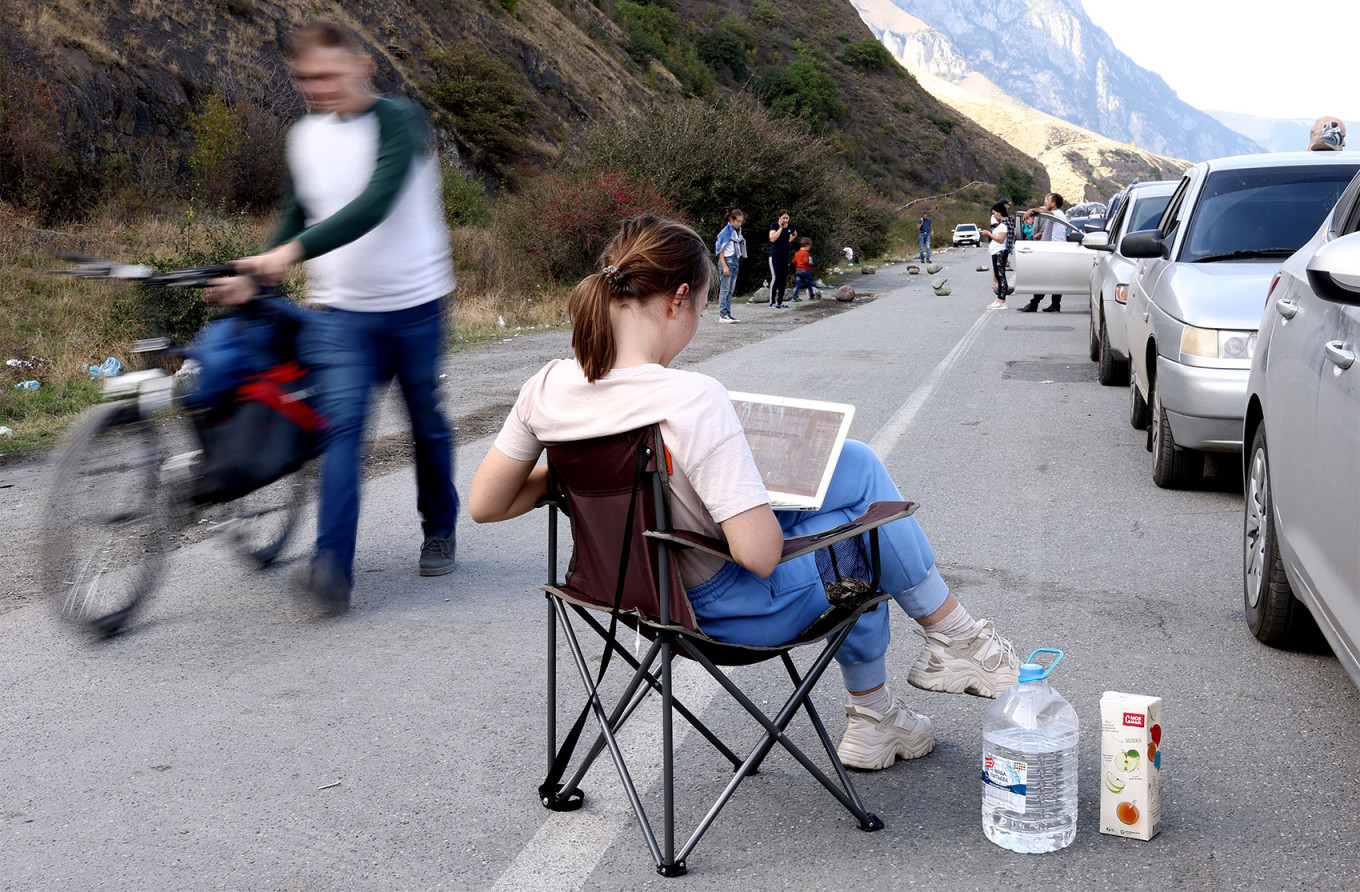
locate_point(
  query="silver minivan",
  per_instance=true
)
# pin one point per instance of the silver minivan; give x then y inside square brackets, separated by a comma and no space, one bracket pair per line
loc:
[1301,525]
[1195,298]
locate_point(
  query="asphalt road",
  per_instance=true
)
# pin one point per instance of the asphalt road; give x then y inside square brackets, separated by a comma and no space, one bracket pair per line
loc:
[230,741]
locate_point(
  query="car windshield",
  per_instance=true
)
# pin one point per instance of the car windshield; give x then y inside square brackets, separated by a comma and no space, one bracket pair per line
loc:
[966,227]
[1146,212]
[1264,213]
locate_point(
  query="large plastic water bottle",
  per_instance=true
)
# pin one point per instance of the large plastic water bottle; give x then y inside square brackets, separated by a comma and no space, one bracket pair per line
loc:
[1029,764]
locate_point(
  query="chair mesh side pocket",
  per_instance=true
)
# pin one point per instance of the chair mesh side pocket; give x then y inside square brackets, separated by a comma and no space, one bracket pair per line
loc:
[844,569]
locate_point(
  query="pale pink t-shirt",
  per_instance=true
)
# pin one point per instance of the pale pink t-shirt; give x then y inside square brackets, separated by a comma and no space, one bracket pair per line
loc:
[714,475]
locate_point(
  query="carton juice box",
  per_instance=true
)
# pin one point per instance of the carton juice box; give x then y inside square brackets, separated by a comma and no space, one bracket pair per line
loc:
[1130,765]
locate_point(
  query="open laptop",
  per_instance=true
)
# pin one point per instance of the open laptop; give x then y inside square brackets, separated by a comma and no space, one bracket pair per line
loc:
[796,444]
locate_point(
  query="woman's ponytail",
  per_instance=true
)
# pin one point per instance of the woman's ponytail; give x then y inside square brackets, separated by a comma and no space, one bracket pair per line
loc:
[592,332]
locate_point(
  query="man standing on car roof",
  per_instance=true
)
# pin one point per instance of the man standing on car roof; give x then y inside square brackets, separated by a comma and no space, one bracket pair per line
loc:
[366,218]
[1048,230]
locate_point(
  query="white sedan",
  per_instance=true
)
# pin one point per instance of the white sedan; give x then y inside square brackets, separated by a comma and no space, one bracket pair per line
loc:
[967,234]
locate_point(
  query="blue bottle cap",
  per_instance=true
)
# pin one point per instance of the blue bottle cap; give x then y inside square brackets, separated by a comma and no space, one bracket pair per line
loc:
[1032,671]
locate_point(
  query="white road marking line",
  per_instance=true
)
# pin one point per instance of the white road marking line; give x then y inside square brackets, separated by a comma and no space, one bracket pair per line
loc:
[567,847]
[886,440]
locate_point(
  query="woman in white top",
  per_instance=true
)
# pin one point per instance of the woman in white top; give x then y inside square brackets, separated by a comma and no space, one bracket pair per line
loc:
[997,250]
[629,322]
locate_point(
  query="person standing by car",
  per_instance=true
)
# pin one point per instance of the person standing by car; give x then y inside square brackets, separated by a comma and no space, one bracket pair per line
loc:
[996,249]
[1048,229]
[923,237]
[366,218]
[730,248]
[782,235]
[1328,135]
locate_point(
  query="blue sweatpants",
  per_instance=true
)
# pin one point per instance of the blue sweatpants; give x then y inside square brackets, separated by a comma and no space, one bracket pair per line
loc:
[740,607]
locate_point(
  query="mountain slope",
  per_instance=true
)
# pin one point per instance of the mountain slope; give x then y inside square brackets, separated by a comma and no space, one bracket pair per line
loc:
[133,74]
[1048,54]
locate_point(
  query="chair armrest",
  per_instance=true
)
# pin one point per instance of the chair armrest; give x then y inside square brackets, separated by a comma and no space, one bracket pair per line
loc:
[876,516]
[697,541]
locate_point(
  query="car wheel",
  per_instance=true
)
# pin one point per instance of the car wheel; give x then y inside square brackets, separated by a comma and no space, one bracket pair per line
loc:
[1273,614]
[1138,411]
[1113,371]
[1172,466]
[1092,339]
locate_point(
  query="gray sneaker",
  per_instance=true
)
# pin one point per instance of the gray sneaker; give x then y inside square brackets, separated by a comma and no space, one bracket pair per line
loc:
[876,740]
[436,555]
[985,665]
[326,587]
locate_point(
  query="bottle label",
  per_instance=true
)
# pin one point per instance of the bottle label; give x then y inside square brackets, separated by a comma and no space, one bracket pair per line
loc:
[1004,783]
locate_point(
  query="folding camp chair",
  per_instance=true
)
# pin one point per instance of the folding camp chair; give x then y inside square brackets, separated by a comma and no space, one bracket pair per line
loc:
[614,490]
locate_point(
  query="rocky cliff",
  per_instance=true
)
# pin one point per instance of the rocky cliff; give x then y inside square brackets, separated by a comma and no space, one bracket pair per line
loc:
[138,73]
[1049,55]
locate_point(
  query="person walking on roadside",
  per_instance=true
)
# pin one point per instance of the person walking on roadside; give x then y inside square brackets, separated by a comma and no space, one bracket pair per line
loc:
[802,269]
[996,250]
[782,235]
[730,248]
[923,236]
[366,218]
[1048,229]
[1328,134]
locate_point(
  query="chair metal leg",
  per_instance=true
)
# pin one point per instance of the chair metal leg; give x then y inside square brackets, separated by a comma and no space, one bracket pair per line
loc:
[627,704]
[775,734]
[597,708]
[655,685]
[669,867]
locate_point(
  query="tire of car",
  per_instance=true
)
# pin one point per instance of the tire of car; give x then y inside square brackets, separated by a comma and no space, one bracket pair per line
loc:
[1113,371]
[1138,410]
[1172,466]
[1273,614]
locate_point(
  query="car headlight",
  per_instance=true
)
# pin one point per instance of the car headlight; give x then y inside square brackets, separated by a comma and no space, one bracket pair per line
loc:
[1214,343]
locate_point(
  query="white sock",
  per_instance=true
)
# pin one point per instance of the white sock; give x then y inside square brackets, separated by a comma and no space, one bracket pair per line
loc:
[880,701]
[958,624]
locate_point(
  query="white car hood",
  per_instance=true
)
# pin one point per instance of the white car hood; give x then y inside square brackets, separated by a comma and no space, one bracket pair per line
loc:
[1227,294]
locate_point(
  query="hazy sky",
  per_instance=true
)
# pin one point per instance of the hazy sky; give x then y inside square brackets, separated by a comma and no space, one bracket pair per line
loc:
[1278,60]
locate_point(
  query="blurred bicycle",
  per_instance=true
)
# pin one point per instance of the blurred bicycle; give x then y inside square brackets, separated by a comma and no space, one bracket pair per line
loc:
[119,496]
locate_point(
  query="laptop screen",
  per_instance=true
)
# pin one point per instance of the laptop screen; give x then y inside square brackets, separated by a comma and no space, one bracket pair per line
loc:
[795,444]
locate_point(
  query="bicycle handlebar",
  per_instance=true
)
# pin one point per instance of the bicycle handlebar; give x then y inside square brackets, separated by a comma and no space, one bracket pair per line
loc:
[196,277]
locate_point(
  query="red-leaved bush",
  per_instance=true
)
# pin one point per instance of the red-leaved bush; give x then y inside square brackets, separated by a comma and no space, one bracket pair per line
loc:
[563,223]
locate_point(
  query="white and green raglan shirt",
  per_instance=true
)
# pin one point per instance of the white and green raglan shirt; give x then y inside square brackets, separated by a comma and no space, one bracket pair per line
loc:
[366,207]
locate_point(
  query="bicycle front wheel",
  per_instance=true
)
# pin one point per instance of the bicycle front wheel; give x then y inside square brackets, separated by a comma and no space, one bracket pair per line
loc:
[106,535]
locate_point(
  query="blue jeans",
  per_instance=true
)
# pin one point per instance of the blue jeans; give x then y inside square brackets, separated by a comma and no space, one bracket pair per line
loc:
[802,279]
[352,353]
[738,606]
[924,240]
[727,285]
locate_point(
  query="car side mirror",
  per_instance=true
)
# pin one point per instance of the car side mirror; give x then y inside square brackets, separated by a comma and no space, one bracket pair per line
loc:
[1146,245]
[1097,241]
[1334,271]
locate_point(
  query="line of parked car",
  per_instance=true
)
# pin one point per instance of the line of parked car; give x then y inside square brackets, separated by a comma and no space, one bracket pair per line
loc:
[1229,304]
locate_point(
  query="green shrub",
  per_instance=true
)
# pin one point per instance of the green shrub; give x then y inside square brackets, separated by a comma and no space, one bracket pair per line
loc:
[708,158]
[565,221]
[802,90]
[942,123]
[1017,184]
[510,6]
[721,49]
[238,155]
[465,201]
[767,15]
[488,107]
[659,21]
[868,55]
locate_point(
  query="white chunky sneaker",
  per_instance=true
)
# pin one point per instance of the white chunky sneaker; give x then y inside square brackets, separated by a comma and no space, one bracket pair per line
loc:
[985,665]
[875,740]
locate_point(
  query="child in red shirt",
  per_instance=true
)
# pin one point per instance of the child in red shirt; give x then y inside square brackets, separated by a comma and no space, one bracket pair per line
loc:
[802,269]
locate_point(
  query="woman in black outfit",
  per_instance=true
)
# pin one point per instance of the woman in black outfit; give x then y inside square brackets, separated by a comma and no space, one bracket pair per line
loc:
[782,235]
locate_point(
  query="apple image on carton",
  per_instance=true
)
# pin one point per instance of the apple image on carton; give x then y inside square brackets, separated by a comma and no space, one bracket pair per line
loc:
[1127,761]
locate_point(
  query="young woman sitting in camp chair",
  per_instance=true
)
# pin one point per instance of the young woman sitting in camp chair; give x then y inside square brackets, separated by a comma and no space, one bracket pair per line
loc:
[630,320]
